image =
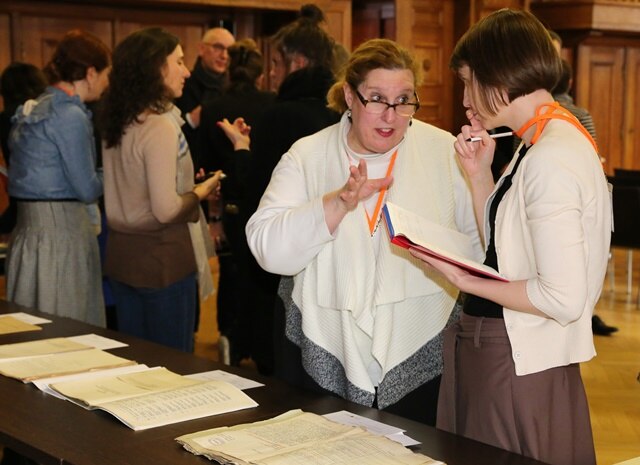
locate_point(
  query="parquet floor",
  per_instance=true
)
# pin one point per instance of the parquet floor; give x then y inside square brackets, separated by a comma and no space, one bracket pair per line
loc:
[610,378]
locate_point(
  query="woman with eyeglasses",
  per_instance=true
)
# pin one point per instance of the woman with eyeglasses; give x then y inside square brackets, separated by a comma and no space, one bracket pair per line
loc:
[364,320]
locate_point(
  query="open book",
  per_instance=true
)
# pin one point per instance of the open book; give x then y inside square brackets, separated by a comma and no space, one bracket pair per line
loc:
[409,230]
[298,437]
[154,397]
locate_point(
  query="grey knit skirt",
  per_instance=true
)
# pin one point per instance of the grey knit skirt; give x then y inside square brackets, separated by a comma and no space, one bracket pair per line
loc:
[53,261]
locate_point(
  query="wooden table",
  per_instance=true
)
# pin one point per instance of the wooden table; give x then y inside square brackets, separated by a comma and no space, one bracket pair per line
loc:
[53,431]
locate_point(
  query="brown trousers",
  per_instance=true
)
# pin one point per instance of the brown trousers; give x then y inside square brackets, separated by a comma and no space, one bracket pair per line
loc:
[543,415]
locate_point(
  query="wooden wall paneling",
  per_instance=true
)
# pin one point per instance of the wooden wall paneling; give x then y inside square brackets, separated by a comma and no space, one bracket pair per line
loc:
[40,35]
[631,131]
[600,89]
[367,23]
[189,36]
[431,40]
[5,41]
[339,19]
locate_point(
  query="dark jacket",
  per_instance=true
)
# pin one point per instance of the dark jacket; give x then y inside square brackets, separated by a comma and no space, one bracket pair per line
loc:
[216,151]
[201,86]
[300,110]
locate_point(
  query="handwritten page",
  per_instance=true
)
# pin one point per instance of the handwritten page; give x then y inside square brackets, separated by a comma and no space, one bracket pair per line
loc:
[10,325]
[297,437]
[32,368]
[407,230]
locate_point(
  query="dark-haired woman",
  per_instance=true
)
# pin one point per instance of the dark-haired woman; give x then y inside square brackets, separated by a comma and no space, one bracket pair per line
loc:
[512,375]
[53,262]
[157,254]
[243,98]
[302,72]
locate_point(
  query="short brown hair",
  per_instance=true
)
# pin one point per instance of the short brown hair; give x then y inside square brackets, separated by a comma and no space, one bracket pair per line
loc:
[508,52]
[372,54]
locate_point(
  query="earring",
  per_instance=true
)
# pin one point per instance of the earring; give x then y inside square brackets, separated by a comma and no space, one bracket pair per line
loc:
[349,114]
[410,121]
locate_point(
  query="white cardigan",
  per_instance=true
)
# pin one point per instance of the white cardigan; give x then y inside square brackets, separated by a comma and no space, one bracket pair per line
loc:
[341,284]
[553,228]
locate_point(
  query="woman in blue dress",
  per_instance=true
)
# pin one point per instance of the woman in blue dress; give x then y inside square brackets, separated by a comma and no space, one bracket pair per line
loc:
[53,264]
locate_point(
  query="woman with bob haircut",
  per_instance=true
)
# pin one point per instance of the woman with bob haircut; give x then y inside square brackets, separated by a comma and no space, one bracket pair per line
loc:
[156,251]
[364,321]
[53,262]
[512,375]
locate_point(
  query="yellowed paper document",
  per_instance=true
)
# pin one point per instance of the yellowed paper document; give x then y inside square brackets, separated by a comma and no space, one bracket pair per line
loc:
[27,369]
[298,437]
[10,325]
[40,347]
[100,390]
[173,406]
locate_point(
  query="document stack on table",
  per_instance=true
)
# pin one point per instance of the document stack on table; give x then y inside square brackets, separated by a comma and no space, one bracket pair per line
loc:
[298,437]
[140,397]
[153,397]
[29,361]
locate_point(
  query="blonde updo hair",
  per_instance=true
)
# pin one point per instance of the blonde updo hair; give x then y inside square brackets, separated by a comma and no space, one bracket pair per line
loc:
[372,54]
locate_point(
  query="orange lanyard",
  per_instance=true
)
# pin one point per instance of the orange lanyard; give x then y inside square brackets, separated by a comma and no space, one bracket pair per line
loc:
[373,220]
[543,119]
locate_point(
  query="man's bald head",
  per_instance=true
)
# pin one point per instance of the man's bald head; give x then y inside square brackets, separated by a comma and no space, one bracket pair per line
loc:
[213,49]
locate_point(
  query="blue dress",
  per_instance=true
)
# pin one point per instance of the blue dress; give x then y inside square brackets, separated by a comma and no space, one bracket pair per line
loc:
[53,262]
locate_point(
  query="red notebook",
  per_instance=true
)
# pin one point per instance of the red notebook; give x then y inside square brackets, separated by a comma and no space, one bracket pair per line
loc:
[409,230]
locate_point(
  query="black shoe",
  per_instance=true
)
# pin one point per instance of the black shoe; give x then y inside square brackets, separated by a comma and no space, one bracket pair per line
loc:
[600,328]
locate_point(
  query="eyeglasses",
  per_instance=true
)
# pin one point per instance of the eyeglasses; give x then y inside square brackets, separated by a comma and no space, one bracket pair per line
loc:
[379,107]
[218,47]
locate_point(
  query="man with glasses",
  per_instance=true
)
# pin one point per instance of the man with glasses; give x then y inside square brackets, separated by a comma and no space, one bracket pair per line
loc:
[206,82]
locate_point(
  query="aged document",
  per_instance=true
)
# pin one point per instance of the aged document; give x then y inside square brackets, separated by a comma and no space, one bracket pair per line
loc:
[99,390]
[10,325]
[181,404]
[299,437]
[40,347]
[153,397]
[78,361]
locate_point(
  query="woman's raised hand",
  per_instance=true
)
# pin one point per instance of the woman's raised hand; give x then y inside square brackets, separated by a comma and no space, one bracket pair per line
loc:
[237,132]
[475,157]
[357,188]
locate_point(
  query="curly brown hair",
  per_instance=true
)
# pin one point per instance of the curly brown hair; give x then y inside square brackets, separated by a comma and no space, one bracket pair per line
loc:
[136,83]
